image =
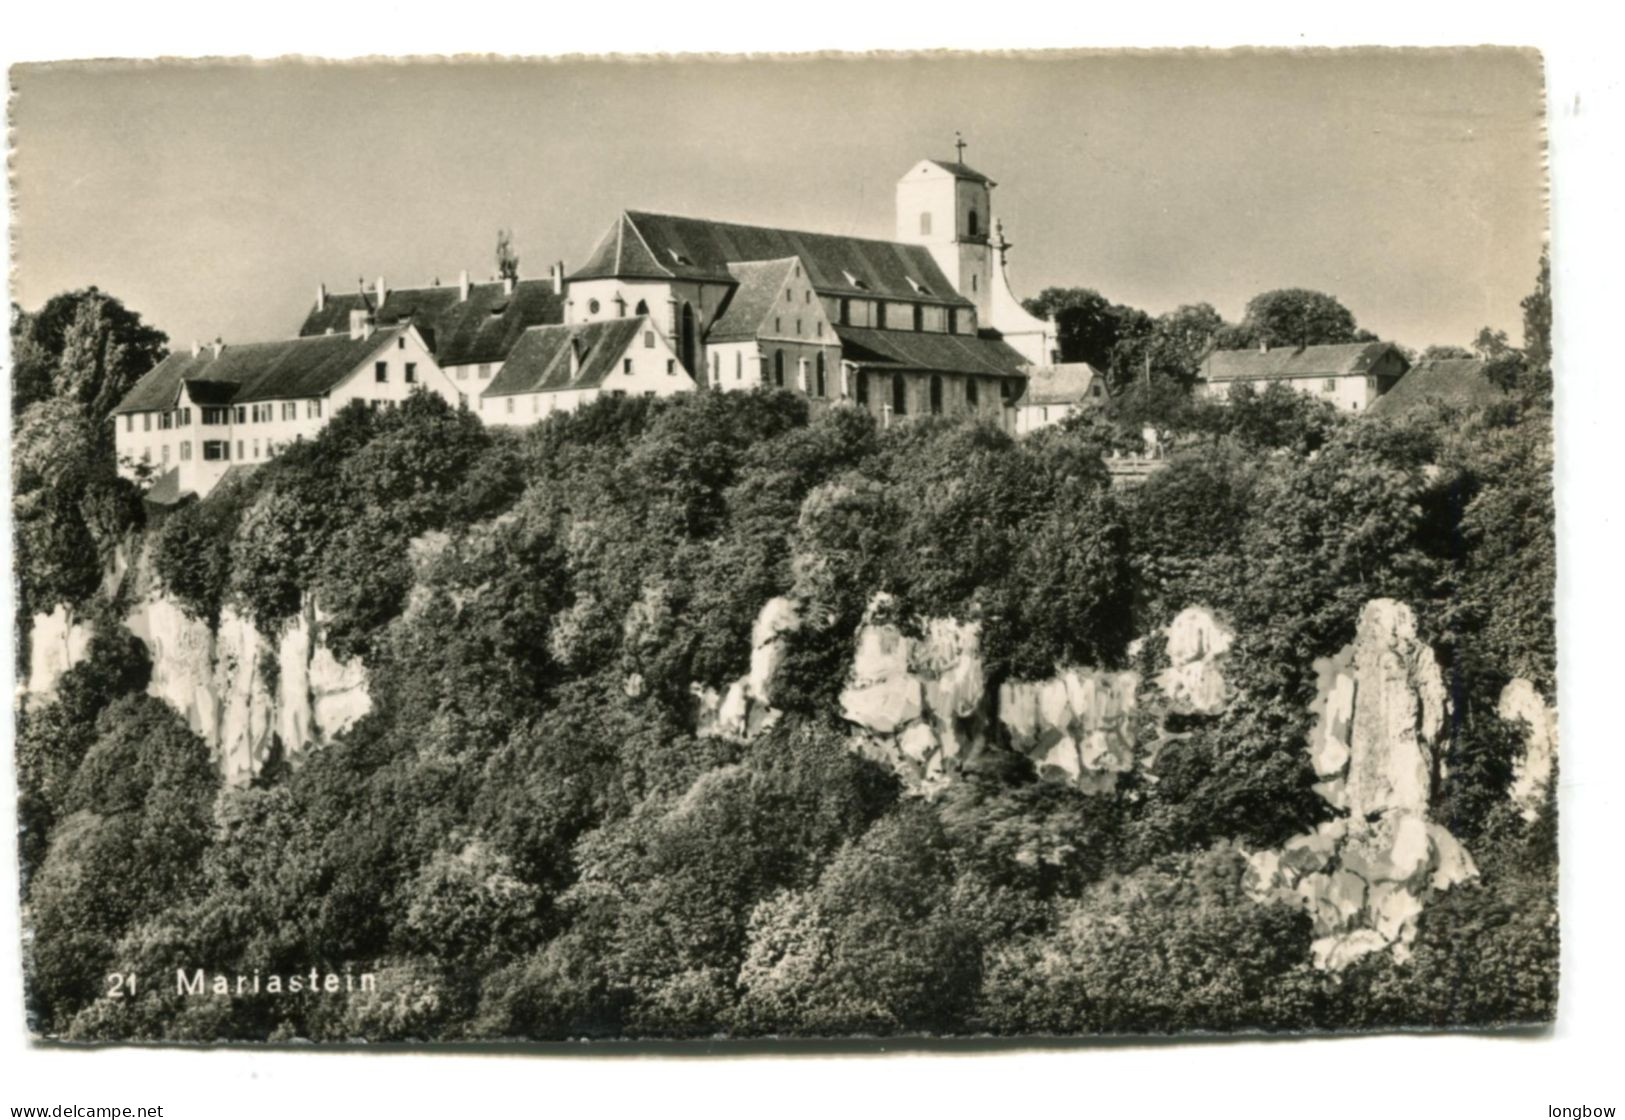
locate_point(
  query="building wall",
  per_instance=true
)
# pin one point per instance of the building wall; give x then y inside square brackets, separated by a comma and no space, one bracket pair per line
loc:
[960,253]
[989,404]
[655,372]
[1351,393]
[469,381]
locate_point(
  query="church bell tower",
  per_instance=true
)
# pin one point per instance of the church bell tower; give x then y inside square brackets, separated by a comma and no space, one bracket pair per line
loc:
[947,207]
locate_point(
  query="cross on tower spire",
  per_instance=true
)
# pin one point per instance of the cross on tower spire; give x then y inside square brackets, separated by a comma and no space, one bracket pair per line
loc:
[959,147]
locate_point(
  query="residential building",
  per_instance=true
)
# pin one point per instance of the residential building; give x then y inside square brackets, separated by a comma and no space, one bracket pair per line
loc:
[1056,392]
[561,368]
[199,413]
[1462,382]
[1349,375]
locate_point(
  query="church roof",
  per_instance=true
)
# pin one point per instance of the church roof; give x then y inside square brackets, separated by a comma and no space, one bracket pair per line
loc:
[255,371]
[760,283]
[960,171]
[540,361]
[1340,360]
[884,350]
[1066,383]
[1457,381]
[645,246]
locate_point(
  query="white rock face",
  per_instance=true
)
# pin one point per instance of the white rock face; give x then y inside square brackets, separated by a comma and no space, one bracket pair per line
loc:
[236,689]
[1077,726]
[742,709]
[1364,878]
[1194,681]
[1531,771]
[56,643]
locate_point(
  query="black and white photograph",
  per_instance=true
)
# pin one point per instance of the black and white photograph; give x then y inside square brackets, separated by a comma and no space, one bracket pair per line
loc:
[781,550]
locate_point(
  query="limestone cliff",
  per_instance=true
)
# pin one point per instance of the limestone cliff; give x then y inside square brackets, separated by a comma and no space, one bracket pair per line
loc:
[1377,747]
[56,643]
[1532,770]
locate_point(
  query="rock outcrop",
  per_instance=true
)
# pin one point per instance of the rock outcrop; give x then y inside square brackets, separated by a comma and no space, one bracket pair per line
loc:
[1077,726]
[1376,745]
[1521,702]
[744,707]
[56,643]
[237,688]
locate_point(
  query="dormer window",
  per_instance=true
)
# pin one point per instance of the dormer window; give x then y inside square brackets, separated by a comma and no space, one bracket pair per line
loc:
[918,287]
[854,281]
[678,258]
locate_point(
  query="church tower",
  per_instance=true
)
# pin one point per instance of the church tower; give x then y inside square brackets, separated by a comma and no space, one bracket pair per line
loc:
[948,207]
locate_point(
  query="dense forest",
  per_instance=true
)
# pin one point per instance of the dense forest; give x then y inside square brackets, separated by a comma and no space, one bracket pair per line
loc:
[522,844]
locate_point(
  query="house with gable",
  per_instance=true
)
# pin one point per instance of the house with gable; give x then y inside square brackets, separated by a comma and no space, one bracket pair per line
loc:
[1458,382]
[1056,392]
[198,414]
[1349,375]
[560,368]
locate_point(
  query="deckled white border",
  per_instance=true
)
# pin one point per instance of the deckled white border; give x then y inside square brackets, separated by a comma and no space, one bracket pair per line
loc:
[1359,1077]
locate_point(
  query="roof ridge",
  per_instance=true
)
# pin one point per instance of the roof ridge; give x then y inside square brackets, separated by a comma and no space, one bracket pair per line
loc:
[774,229]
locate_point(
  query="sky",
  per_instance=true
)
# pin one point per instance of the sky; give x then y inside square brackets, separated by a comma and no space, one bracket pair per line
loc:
[214,198]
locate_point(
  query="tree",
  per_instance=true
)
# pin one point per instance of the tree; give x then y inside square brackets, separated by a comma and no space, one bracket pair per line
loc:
[1089,326]
[85,346]
[1490,344]
[507,258]
[1537,319]
[1296,317]
[1440,353]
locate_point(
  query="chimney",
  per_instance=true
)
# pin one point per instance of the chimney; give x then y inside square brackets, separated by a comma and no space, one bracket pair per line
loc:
[1264,347]
[197,348]
[218,346]
[507,285]
[555,273]
[321,297]
[381,291]
[462,286]
[360,323]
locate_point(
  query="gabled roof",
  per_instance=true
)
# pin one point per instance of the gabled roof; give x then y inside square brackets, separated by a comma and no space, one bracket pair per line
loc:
[960,171]
[645,246]
[482,328]
[1341,360]
[540,361]
[760,283]
[1066,383]
[256,371]
[1458,381]
[882,350]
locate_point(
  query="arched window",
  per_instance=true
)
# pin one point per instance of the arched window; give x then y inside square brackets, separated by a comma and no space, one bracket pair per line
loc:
[919,317]
[688,338]
[778,368]
[846,312]
[863,387]
[925,224]
[880,313]
[936,394]
[820,373]
[972,225]
[899,395]
[642,308]
[971,391]
[953,320]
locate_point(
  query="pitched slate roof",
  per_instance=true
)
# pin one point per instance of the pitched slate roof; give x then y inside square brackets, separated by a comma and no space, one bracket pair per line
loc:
[256,371]
[760,283]
[540,360]
[961,171]
[482,328]
[1458,381]
[935,353]
[645,246]
[1066,383]
[1342,360]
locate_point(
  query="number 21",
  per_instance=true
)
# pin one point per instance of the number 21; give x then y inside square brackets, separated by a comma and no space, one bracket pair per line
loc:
[120,984]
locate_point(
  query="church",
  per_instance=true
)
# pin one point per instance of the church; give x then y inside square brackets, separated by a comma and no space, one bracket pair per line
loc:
[922,325]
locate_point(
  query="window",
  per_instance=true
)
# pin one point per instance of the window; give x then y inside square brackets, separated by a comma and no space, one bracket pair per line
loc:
[1330,386]
[798,328]
[778,368]
[186,417]
[186,451]
[626,365]
[462,373]
[671,366]
[509,402]
[880,314]
[972,224]
[808,295]
[973,281]
[739,365]
[256,448]
[716,367]
[919,317]
[313,409]
[146,454]
[846,312]
[778,325]
[400,343]
[820,374]
[411,373]
[970,391]
[936,394]
[129,421]
[899,395]
[819,330]
[239,449]
[953,320]
[290,410]
[216,450]
[592,307]
[485,370]
[789,296]
[241,414]
[648,339]
[925,224]
[462,400]
[216,416]
[166,420]
[164,453]
[146,421]
[380,371]
[642,309]
[863,387]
